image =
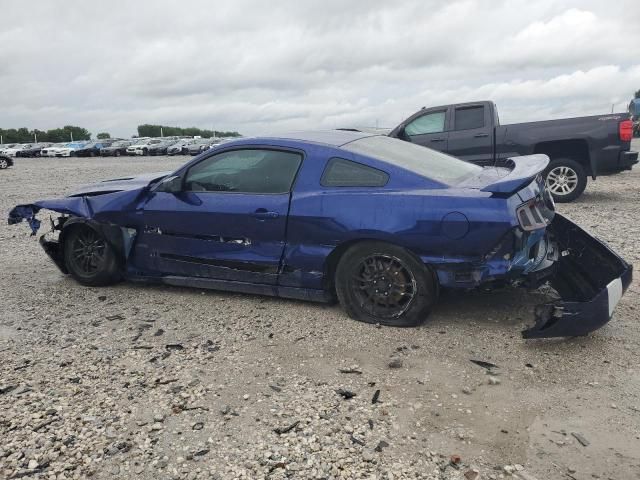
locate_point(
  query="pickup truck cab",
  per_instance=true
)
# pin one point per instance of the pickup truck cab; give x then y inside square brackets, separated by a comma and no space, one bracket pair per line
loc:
[577,147]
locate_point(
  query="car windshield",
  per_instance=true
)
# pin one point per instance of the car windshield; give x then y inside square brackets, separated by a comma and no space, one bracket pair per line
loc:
[423,161]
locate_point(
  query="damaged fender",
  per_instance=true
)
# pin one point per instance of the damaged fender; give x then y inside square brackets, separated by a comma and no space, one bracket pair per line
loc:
[590,279]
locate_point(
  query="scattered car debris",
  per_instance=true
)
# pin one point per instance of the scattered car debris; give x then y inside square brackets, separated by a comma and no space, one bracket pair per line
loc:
[174,346]
[455,460]
[357,440]
[493,380]
[287,429]
[350,370]
[346,394]
[483,364]
[381,444]
[395,362]
[581,439]
[7,389]
[376,396]
[197,426]
[117,316]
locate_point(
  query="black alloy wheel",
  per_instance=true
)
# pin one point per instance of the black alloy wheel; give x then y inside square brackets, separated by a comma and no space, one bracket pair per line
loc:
[89,258]
[382,283]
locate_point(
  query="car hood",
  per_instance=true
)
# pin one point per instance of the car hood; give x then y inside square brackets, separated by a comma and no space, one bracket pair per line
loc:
[119,184]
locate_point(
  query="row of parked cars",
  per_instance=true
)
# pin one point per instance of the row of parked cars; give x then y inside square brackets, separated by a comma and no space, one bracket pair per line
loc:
[112,147]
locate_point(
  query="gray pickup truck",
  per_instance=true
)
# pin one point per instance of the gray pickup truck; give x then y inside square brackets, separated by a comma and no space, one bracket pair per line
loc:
[578,147]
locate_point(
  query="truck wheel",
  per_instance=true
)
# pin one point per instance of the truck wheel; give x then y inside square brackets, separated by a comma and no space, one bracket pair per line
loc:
[382,283]
[89,258]
[565,179]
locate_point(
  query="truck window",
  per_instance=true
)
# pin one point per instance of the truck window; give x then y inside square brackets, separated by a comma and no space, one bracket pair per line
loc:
[429,123]
[467,118]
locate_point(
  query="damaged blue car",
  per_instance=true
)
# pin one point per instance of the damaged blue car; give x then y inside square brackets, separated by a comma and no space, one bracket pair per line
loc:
[379,224]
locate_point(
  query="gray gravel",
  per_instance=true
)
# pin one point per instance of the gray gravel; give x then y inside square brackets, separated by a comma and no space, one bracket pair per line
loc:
[156,382]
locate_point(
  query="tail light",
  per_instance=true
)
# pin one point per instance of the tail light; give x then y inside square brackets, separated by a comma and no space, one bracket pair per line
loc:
[535,214]
[625,130]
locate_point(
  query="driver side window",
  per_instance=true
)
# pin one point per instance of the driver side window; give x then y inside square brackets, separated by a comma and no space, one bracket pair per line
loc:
[245,171]
[429,123]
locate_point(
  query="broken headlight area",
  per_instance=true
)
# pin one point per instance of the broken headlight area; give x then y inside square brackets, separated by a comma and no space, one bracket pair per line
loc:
[589,278]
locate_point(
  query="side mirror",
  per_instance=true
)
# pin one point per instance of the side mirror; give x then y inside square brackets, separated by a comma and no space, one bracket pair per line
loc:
[172,184]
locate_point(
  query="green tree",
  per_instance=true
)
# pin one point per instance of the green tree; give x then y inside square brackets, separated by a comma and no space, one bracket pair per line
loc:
[103,136]
[148,130]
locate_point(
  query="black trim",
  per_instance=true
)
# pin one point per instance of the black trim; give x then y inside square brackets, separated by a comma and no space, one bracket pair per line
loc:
[233,264]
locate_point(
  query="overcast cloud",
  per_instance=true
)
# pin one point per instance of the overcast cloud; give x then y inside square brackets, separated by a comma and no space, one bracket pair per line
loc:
[270,66]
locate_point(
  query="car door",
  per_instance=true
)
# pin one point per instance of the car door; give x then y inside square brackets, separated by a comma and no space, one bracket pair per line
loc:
[227,220]
[428,129]
[471,134]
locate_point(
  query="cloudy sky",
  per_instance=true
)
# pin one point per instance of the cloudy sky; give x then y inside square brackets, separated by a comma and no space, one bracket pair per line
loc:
[270,66]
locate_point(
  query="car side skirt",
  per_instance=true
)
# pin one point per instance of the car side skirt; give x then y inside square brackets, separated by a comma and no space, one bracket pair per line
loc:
[306,294]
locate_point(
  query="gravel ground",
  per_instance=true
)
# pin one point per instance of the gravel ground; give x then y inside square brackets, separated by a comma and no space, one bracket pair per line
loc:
[157,382]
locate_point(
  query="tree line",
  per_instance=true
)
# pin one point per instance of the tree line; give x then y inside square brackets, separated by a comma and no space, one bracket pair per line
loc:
[147,130]
[70,132]
[24,135]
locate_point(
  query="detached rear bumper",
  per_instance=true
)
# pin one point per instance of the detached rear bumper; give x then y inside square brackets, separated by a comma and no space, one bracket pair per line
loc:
[590,279]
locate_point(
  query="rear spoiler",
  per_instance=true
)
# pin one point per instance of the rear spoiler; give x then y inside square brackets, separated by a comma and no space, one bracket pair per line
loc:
[523,170]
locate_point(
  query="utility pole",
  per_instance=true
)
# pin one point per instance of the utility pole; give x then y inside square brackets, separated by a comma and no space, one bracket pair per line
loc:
[161,134]
[35,137]
[71,133]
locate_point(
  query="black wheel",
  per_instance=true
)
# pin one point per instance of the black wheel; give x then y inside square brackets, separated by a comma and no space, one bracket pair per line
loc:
[382,283]
[89,258]
[565,179]
[117,153]
[145,151]
[4,163]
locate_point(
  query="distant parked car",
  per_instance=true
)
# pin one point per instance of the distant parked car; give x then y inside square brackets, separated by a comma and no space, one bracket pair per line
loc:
[181,147]
[92,149]
[161,148]
[51,149]
[5,162]
[33,151]
[63,149]
[200,145]
[11,151]
[116,149]
[142,148]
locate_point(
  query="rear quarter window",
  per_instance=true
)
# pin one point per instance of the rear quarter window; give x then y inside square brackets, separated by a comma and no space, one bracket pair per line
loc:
[340,172]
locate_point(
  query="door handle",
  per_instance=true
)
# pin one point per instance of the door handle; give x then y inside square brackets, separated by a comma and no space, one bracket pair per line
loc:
[437,139]
[264,214]
[481,135]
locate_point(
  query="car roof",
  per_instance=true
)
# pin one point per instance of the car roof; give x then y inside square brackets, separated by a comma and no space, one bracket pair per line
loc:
[333,138]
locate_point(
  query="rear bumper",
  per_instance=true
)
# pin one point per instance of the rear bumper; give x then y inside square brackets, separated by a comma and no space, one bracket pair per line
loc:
[628,159]
[590,279]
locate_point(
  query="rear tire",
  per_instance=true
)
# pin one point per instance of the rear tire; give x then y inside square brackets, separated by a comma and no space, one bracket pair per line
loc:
[377,282]
[89,258]
[566,179]
[4,163]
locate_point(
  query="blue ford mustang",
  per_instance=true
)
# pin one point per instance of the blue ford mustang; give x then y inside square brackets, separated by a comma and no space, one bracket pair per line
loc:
[379,223]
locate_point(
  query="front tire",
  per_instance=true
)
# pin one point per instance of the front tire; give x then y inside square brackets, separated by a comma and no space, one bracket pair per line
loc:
[566,179]
[4,163]
[382,283]
[89,258]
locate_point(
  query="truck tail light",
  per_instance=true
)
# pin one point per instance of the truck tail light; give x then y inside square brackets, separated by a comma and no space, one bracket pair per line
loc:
[625,130]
